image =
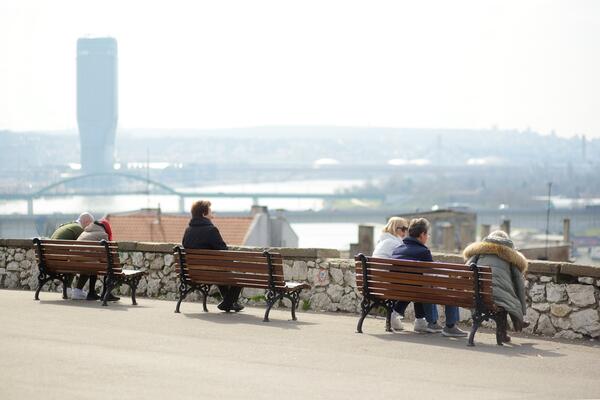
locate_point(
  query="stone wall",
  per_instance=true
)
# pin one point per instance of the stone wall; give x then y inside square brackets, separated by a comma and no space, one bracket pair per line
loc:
[563,298]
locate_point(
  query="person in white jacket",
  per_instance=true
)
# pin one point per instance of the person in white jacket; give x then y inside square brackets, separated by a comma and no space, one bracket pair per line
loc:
[391,237]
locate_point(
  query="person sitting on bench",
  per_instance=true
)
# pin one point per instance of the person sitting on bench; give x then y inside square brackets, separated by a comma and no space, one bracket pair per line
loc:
[414,248]
[96,231]
[72,231]
[497,251]
[202,234]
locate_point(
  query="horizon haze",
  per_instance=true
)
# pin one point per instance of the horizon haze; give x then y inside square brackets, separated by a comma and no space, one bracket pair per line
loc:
[203,65]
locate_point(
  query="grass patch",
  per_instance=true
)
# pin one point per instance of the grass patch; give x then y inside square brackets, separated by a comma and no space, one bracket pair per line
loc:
[305,305]
[258,297]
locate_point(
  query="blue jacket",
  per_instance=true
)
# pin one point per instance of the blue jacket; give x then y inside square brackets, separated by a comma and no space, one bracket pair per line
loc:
[412,249]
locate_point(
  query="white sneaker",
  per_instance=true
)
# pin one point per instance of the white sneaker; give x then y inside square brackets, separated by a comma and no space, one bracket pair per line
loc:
[78,294]
[397,321]
[420,325]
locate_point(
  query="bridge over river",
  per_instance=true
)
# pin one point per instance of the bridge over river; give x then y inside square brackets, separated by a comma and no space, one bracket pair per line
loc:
[102,184]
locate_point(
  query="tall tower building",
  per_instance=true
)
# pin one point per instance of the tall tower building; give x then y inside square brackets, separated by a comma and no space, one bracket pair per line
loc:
[97,102]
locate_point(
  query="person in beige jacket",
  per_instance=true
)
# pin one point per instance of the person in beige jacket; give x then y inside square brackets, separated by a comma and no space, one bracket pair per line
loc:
[96,231]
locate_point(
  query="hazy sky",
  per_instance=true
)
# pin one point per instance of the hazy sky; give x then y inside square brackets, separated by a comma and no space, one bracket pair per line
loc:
[220,64]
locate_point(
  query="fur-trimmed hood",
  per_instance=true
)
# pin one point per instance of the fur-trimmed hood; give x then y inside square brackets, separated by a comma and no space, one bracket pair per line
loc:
[506,253]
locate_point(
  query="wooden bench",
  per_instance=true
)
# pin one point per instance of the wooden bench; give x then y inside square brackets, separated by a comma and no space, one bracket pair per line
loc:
[59,259]
[198,269]
[383,281]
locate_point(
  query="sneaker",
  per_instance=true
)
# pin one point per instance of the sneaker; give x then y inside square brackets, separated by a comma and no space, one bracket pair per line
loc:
[78,294]
[453,332]
[397,321]
[237,307]
[420,325]
[433,328]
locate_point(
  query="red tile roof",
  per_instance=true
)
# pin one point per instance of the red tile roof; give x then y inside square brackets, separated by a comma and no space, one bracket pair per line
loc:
[151,226]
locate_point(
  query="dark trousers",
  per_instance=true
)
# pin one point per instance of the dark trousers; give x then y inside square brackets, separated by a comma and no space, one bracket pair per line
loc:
[400,307]
[230,294]
[82,280]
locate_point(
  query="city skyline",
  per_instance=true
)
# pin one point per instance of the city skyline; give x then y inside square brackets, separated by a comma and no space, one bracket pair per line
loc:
[463,65]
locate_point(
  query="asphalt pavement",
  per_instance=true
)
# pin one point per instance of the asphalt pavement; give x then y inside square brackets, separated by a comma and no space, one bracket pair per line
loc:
[66,349]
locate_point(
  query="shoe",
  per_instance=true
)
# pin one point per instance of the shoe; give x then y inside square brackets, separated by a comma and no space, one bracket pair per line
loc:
[397,321]
[420,325]
[78,294]
[237,307]
[453,332]
[92,296]
[224,307]
[433,328]
[112,297]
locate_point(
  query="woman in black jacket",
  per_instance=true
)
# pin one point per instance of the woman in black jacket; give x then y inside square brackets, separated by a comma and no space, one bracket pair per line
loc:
[202,234]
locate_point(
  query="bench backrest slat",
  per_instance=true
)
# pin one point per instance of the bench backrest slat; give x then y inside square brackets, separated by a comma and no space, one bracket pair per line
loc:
[427,282]
[235,268]
[73,256]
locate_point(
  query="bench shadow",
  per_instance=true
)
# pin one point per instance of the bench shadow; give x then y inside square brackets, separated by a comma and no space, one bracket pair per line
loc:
[113,306]
[242,318]
[522,349]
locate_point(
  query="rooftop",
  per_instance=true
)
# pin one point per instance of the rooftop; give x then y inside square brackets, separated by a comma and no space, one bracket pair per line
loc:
[151,225]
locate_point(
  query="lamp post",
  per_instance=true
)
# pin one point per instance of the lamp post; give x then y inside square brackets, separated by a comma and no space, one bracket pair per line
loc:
[548,215]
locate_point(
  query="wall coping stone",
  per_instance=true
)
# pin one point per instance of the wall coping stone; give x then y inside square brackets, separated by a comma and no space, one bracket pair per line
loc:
[23,243]
[544,267]
[284,251]
[580,270]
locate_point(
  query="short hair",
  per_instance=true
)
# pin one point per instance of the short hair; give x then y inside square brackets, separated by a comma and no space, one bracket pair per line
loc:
[200,208]
[85,218]
[417,227]
[394,224]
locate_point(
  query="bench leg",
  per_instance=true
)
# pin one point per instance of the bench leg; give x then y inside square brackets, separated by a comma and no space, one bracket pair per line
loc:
[272,298]
[294,297]
[108,287]
[366,307]
[133,284]
[183,292]
[103,287]
[476,324]
[204,289]
[42,279]
[388,317]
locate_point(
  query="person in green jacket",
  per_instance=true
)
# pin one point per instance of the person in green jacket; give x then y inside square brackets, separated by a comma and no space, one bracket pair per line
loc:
[71,231]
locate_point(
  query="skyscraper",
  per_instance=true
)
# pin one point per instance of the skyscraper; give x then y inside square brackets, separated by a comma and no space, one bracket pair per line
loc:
[97,102]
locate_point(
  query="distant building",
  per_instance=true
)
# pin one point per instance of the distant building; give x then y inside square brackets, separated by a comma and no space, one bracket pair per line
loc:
[257,229]
[97,102]
[450,230]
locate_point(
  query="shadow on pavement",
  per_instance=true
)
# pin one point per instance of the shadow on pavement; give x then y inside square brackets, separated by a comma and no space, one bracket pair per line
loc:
[243,318]
[122,305]
[518,349]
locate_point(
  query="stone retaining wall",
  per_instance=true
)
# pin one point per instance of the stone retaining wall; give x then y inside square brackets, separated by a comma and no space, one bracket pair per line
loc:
[563,298]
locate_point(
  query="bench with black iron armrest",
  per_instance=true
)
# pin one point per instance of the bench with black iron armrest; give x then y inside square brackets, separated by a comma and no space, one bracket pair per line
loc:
[383,281]
[59,259]
[198,269]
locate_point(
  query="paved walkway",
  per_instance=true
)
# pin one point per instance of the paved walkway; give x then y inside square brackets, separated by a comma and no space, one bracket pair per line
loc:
[64,349]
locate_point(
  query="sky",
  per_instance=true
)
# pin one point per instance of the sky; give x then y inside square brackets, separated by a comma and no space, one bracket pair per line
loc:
[475,64]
